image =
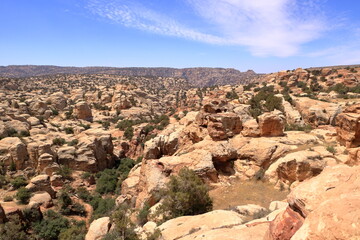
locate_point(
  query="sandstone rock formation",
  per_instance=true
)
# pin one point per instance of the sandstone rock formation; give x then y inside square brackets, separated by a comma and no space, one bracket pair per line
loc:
[271,124]
[98,229]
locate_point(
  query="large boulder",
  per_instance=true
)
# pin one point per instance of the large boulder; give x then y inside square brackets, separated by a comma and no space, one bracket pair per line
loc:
[58,100]
[251,129]
[271,124]
[285,225]
[83,111]
[41,183]
[41,199]
[329,203]
[165,144]
[223,125]
[94,151]
[348,126]
[296,166]
[98,229]
[317,112]
[13,150]
[262,151]
[192,227]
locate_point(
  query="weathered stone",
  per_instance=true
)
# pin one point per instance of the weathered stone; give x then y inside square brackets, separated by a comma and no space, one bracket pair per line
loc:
[83,111]
[98,229]
[271,124]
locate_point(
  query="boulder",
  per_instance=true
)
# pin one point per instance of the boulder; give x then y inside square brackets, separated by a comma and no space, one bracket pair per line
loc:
[285,225]
[262,151]
[223,125]
[271,124]
[98,229]
[296,166]
[329,203]
[41,183]
[317,112]
[348,127]
[41,199]
[163,145]
[251,211]
[192,227]
[13,150]
[83,111]
[251,129]
[58,100]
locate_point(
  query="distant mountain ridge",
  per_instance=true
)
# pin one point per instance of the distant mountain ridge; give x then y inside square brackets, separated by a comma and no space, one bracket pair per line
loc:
[197,77]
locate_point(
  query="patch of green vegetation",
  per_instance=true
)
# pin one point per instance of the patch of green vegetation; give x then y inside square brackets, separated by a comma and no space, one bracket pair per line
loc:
[297,127]
[58,141]
[185,194]
[23,195]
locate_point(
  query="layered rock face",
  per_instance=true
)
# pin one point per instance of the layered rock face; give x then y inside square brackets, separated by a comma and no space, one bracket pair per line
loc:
[348,126]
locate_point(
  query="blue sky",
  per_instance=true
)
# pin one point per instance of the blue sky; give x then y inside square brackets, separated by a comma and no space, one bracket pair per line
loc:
[262,35]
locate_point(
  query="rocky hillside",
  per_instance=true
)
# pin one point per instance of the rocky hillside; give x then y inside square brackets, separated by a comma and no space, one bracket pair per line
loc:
[99,156]
[197,77]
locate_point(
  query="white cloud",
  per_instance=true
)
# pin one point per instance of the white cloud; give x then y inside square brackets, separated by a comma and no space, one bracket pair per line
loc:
[266,27]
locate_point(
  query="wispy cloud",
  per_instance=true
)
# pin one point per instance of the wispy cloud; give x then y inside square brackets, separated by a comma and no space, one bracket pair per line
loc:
[265,27]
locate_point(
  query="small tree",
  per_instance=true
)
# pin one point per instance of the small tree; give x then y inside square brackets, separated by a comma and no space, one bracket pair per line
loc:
[185,194]
[23,195]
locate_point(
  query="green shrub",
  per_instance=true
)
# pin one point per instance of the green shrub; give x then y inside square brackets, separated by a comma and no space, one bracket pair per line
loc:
[18,182]
[84,194]
[69,130]
[12,166]
[77,231]
[24,133]
[143,214]
[340,88]
[51,226]
[23,195]
[232,95]
[101,206]
[58,141]
[123,225]
[106,125]
[107,181]
[85,126]
[13,229]
[73,142]
[129,133]
[185,194]
[8,198]
[296,127]
[65,172]
[55,112]
[331,149]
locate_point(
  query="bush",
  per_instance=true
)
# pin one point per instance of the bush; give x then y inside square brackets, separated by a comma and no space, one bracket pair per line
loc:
[84,194]
[331,149]
[59,141]
[296,127]
[23,195]
[85,126]
[106,125]
[12,230]
[73,142]
[18,182]
[8,198]
[65,172]
[129,133]
[232,95]
[55,112]
[143,214]
[123,225]
[51,226]
[76,232]
[340,88]
[101,206]
[69,130]
[185,194]
[12,166]
[107,181]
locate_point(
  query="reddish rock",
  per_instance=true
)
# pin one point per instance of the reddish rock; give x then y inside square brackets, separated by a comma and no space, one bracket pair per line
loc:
[348,126]
[224,125]
[271,124]
[285,225]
